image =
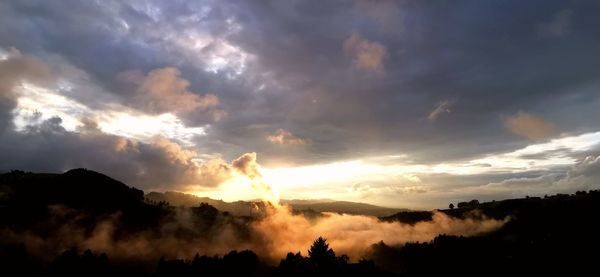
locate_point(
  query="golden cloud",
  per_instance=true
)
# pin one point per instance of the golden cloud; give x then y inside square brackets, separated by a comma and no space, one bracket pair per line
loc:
[163,90]
[282,136]
[530,126]
[366,55]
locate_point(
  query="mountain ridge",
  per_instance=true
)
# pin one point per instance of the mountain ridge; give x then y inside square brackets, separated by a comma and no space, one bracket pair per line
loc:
[245,208]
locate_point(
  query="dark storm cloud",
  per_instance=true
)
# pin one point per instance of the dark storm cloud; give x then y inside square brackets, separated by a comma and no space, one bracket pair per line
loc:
[289,69]
[489,59]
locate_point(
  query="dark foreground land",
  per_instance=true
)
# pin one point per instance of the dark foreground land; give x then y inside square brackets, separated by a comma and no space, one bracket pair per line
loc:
[556,235]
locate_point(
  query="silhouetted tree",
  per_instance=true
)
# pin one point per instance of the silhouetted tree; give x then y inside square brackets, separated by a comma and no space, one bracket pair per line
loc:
[293,265]
[451,206]
[320,254]
[241,263]
[71,263]
[471,204]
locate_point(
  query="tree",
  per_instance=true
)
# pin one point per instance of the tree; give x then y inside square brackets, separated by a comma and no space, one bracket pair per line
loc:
[451,206]
[320,254]
[293,265]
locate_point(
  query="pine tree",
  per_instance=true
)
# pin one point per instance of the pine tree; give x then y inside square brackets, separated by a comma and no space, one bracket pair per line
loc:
[320,254]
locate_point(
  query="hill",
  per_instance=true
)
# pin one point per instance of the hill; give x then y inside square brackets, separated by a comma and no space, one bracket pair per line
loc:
[344,207]
[247,208]
[180,199]
[545,236]
[77,188]
[47,221]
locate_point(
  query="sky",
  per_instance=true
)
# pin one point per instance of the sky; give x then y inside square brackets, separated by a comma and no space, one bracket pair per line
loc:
[413,104]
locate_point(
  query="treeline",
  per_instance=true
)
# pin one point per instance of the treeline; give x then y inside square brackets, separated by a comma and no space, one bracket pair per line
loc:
[555,235]
[320,261]
[550,235]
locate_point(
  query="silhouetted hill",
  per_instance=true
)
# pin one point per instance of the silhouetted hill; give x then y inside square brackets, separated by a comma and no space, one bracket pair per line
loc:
[545,236]
[41,202]
[77,188]
[345,207]
[239,208]
[305,201]
[248,208]
[500,209]
[47,221]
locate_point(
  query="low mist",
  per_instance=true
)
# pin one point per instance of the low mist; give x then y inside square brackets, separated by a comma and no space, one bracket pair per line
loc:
[271,236]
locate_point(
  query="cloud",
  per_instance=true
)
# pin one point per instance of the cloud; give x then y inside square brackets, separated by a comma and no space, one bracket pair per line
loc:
[590,167]
[42,143]
[247,165]
[181,233]
[16,68]
[399,182]
[442,107]
[213,172]
[282,52]
[366,55]
[158,164]
[411,189]
[375,190]
[364,190]
[584,175]
[285,137]
[352,235]
[174,151]
[280,65]
[163,90]
[384,12]
[530,126]
[34,104]
[559,26]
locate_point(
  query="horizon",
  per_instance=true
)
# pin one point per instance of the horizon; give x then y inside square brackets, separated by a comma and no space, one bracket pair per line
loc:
[391,103]
[286,202]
